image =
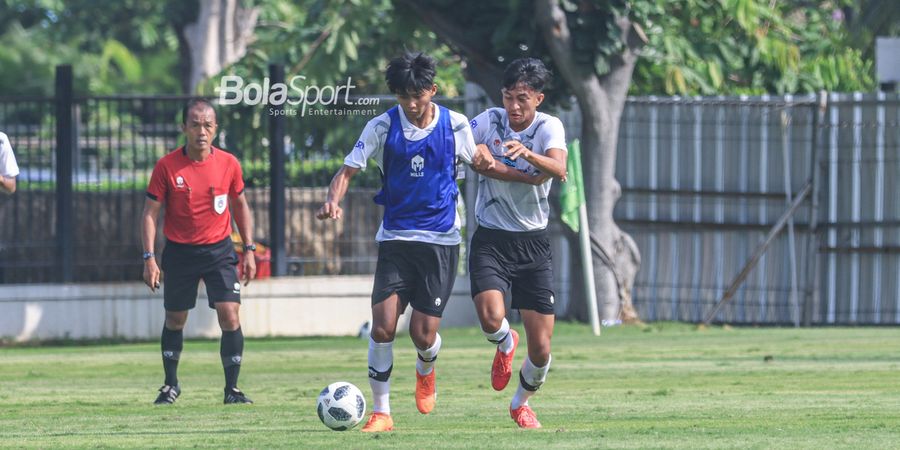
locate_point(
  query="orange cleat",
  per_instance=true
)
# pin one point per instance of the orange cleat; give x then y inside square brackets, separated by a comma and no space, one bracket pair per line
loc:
[524,417]
[379,422]
[501,370]
[425,395]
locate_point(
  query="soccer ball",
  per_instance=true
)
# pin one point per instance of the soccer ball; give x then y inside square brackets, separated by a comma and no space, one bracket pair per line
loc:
[341,406]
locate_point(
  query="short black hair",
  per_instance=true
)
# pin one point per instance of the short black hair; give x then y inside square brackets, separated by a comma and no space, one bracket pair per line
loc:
[528,71]
[410,73]
[196,102]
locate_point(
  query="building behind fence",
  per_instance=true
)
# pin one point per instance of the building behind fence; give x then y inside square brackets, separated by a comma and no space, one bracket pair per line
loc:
[703,180]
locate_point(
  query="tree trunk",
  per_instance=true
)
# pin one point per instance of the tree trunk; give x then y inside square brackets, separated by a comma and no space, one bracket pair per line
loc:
[601,101]
[217,39]
[479,67]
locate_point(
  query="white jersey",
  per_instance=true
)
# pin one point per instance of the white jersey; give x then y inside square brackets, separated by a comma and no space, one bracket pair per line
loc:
[8,166]
[507,205]
[371,145]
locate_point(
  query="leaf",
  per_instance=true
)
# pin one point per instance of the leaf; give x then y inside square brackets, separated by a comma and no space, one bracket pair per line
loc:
[715,74]
[601,66]
[349,47]
[115,52]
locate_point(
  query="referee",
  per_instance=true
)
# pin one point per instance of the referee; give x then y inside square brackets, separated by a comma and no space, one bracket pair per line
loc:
[199,184]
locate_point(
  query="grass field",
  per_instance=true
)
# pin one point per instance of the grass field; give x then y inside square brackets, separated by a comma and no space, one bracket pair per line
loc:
[664,386]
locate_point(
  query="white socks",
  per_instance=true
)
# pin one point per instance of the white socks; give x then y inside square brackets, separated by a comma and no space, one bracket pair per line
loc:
[381,362]
[427,357]
[501,337]
[531,378]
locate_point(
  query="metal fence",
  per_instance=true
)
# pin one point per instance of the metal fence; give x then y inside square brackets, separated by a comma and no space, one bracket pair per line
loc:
[87,229]
[704,179]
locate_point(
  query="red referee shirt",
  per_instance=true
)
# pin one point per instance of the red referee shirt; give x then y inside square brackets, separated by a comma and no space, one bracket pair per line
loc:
[196,195]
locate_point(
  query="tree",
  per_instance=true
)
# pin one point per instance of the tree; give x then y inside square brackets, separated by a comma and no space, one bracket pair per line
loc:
[750,47]
[126,48]
[217,38]
[326,41]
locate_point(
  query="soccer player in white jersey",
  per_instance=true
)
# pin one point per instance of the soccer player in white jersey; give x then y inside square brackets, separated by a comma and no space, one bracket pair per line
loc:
[416,145]
[8,167]
[510,251]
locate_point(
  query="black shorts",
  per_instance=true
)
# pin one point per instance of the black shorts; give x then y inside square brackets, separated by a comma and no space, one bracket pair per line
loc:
[421,274]
[513,261]
[185,265]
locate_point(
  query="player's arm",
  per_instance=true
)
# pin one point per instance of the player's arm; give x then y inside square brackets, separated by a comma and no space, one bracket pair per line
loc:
[499,171]
[243,218]
[552,164]
[148,239]
[336,191]
[7,184]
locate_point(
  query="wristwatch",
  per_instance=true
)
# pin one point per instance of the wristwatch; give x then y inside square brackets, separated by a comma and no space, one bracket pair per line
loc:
[148,255]
[251,247]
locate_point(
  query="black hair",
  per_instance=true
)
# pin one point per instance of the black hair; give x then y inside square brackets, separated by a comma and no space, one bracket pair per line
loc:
[410,73]
[195,102]
[528,71]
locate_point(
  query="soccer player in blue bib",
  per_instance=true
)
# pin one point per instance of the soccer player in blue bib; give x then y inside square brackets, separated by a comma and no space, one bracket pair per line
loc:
[416,145]
[510,251]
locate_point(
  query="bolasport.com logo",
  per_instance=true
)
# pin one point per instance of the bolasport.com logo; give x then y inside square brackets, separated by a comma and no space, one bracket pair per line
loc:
[297,97]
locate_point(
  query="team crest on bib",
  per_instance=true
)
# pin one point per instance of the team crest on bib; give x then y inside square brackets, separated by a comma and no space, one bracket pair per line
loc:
[417,166]
[220,202]
[179,181]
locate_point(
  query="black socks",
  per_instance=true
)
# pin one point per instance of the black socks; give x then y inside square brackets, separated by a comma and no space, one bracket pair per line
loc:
[172,342]
[232,350]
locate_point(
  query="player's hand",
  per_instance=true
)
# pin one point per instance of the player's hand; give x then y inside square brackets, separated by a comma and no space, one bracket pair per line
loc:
[151,274]
[249,267]
[515,149]
[330,210]
[483,159]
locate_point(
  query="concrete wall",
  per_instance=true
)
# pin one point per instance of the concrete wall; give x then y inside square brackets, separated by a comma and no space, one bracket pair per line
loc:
[300,306]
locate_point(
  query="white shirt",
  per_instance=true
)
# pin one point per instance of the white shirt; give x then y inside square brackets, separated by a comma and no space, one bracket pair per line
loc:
[8,166]
[371,145]
[507,205]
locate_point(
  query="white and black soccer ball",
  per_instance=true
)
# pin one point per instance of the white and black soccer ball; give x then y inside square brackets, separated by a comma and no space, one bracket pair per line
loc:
[341,406]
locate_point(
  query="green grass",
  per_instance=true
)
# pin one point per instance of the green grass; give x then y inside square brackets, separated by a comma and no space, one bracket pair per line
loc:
[664,386]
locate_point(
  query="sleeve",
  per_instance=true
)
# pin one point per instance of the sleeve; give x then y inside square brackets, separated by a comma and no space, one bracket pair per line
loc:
[370,143]
[462,135]
[237,180]
[481,125]
[8,166]
[554,135]
[158,186]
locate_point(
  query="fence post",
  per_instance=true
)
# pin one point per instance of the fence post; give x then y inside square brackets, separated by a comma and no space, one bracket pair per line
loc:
[813,269]
[277,176]
[66,146]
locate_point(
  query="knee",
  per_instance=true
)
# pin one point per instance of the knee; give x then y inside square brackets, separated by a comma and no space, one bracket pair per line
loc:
[423,340]
[491,310]
[229,323]
[540,355]
[381,334]
[491,324]
[175,321]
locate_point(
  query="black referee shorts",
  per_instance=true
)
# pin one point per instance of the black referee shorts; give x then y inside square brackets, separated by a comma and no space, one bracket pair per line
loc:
[421,274]
[519,262]
[185,265]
